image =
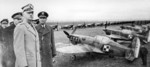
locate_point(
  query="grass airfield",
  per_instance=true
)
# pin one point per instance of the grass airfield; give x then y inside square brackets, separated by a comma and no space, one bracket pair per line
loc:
[86,60]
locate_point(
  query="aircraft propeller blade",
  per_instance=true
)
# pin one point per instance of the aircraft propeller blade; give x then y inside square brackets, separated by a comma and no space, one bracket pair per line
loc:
[66,33]
[74,30]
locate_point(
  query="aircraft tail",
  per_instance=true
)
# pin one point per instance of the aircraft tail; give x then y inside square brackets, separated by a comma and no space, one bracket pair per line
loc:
[136,46]
[133,53]
[148,33]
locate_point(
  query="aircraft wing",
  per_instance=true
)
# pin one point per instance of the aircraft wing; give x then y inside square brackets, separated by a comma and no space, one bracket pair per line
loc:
[114,37]
[118,33]
[78,49]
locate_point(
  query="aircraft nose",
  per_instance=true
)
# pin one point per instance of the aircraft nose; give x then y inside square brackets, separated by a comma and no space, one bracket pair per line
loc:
[74,39]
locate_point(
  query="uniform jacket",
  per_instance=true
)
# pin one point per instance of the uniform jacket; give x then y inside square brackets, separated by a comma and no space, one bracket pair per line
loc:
[1,34]
[8,49]
[6,34]
[9,31]
[143,51]
[143,39]
[26,46]
[46,37]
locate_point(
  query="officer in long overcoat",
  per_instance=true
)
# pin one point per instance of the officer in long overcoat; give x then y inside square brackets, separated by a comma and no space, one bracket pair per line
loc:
[46,37]
[8,58]
[26,41]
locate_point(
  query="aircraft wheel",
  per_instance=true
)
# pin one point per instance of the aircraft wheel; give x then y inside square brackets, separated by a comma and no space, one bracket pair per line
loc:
[73,57]
[111,54]
[90,54]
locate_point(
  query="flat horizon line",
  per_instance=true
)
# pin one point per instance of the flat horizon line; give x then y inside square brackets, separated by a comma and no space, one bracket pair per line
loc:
[99,21]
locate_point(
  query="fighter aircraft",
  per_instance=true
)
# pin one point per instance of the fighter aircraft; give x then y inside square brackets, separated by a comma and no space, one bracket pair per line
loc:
[90,25]
[100,44]
[55,27]
[127,34]
[81,25]
[98,24]
[67,27]
[133,28]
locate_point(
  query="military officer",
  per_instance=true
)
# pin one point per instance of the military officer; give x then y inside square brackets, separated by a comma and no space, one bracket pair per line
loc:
[143,54]
[8,59]
[26,41]
[46,37]
[4,24]
[17,18]
[36,22]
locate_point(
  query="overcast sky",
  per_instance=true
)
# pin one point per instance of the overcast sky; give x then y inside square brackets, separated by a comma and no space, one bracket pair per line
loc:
[81,10]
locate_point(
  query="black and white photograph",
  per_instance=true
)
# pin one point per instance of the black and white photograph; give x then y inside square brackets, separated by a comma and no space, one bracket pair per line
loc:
[74,33]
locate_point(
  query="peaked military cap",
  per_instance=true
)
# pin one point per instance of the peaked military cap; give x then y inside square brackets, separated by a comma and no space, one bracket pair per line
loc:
[16,15]
[43,14]
[28,7]
[5,20]
[37,21]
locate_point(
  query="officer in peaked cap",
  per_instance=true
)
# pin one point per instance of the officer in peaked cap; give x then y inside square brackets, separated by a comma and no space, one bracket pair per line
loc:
[143,54]
[46,37]
[43,17]
[17,18]
[26,40]
[7,37]
[4,23]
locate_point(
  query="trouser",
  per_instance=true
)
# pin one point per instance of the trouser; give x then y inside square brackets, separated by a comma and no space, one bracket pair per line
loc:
[46,60]
[144,59]
[8,57]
